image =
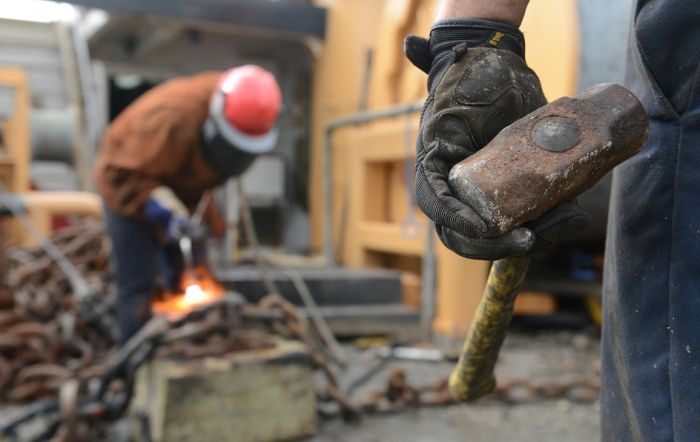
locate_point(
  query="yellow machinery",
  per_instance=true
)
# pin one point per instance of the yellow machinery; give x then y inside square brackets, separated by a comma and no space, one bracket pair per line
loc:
[15,154]
[373,219]
[14,148]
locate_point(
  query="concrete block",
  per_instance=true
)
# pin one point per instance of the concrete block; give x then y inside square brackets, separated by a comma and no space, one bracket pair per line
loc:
[261,395]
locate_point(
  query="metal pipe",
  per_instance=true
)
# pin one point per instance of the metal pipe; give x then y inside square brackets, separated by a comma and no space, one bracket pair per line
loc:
[314,313]
[202,205]
[353,120]
[253,243]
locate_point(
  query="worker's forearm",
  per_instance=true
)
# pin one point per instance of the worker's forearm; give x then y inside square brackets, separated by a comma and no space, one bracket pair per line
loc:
[508,11]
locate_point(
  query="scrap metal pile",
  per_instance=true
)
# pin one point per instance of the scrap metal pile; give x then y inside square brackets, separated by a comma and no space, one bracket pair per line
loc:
[66,379]
[44,339]
[60,367]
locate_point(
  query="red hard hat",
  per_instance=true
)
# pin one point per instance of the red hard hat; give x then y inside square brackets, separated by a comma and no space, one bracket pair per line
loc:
[252,99]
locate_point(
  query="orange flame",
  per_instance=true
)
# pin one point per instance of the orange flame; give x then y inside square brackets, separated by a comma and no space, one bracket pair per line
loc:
[200,289]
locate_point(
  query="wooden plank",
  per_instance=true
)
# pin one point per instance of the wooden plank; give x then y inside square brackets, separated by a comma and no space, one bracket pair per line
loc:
[6,172]
[411,285]
[398,192]
[374,200]
[43,206]
[375,188]
[460,283]
[534,303]
[351,251]
[16,131]
[338,81]
[384,140]
[389,237]
[405,263]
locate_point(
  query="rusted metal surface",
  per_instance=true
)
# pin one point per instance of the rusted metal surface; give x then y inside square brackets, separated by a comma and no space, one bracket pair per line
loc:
[56,356]
[399,394]
[550,156]
[580,390]
[44,340]
[59,364]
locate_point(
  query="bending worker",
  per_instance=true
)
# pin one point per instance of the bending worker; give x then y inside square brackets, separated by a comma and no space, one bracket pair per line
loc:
[477,82]
[158,158]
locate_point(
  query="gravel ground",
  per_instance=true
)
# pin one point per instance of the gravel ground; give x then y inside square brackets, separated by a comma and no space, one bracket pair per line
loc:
[541,356]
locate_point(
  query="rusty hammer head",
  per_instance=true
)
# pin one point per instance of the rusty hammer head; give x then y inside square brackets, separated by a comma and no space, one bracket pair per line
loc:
[550,156]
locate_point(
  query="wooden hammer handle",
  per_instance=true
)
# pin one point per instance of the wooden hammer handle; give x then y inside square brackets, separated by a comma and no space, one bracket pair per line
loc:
[473,376]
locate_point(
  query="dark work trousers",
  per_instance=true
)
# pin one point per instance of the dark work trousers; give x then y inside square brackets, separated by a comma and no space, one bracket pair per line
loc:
[651,298]
[138,259]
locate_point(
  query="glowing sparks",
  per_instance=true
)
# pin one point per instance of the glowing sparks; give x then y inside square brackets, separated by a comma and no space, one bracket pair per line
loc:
[195,295]
[200,289]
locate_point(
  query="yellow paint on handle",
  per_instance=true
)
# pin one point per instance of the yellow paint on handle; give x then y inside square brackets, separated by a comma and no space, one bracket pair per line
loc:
[473,376]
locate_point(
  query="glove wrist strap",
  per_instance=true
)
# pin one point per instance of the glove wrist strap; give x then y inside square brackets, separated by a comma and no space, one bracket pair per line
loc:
[445,34]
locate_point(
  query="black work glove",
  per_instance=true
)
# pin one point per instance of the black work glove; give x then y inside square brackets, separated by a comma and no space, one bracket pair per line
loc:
[478,83]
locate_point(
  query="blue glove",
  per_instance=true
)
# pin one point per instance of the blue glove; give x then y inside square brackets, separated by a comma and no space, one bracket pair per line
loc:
[171,225]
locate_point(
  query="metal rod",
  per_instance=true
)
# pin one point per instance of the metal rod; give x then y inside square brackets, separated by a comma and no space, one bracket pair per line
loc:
[252,238]
[202,205]
[353,120]
[324,330]
[185,244]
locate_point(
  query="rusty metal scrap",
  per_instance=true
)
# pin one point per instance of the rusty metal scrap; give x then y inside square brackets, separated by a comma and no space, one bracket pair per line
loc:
[584,389]
[44,340]
[79,403]
[60,361]
[550,156]
[399,394]
[56,358]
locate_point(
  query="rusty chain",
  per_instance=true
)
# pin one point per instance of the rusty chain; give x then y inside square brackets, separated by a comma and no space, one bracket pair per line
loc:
[61,361]
[398,394]
[44,339]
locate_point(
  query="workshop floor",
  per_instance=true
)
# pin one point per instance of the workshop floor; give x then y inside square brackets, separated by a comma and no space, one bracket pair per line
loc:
[541,356]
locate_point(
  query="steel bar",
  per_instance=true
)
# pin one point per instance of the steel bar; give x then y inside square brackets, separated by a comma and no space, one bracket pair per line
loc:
[339,354]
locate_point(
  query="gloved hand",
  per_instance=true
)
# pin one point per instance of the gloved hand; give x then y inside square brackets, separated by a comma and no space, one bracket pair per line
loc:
[478,83]
[165,212]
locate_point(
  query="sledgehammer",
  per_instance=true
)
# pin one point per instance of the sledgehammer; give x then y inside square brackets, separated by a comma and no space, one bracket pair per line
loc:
[547,157]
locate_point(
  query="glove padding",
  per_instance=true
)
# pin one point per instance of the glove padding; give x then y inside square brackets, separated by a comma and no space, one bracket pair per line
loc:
[563,221]
[478,84]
